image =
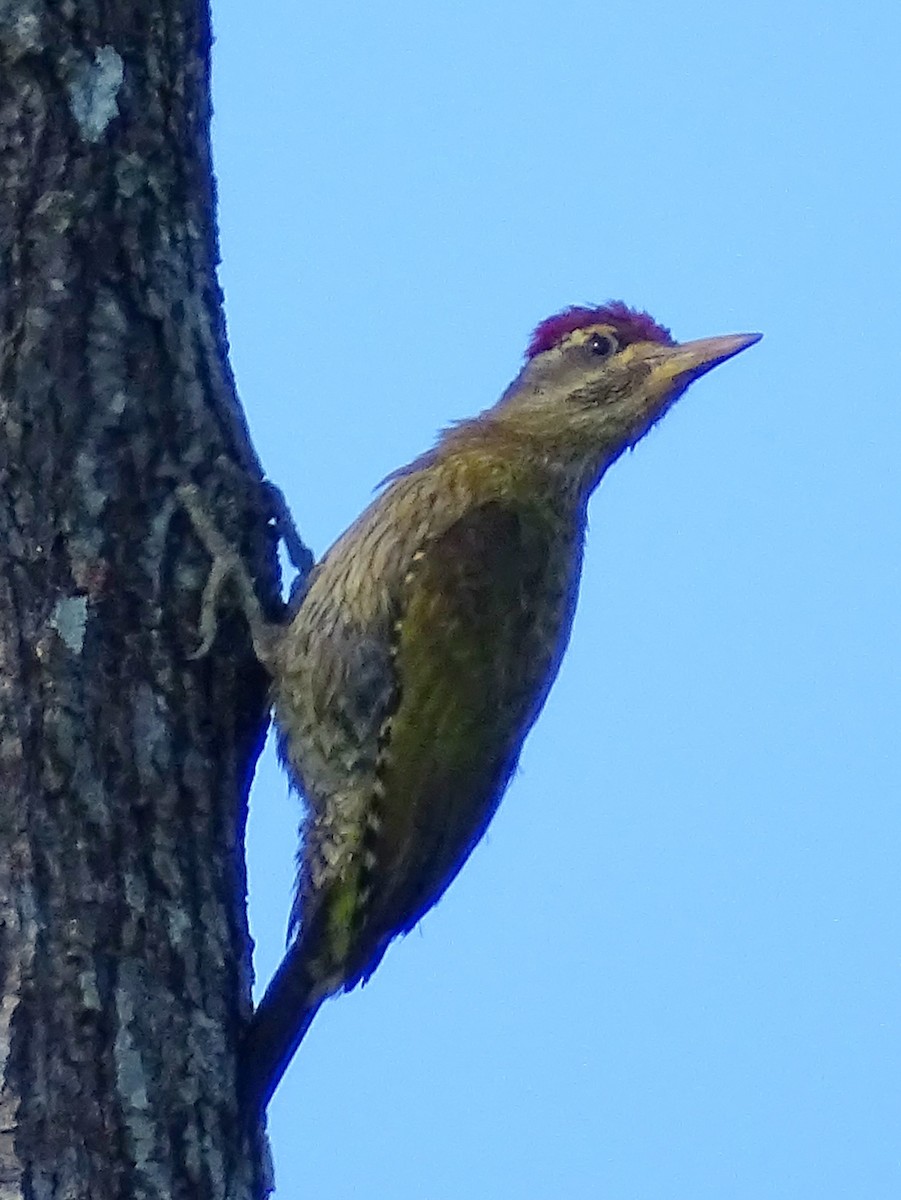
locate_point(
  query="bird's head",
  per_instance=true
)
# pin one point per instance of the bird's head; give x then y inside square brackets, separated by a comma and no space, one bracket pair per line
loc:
[595,381]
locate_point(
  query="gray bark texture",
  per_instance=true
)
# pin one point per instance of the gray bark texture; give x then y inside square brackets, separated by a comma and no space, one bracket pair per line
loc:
[124,763]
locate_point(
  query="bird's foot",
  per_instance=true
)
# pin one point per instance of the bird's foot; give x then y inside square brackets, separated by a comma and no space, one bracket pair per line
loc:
[227,566]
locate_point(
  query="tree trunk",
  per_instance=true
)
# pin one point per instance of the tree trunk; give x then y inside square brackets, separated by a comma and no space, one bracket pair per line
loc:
[124,763]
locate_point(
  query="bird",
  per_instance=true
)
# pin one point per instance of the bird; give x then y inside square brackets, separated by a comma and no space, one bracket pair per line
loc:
[427,640]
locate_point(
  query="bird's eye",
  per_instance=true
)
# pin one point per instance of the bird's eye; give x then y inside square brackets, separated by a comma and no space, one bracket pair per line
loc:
[602,345]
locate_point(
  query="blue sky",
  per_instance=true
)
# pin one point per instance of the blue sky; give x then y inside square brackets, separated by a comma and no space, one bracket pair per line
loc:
[673,968]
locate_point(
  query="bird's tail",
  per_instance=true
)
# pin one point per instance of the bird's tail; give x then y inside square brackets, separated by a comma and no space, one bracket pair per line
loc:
[276,1029]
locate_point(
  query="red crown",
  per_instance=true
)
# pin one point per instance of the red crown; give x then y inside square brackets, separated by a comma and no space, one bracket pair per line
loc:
[630,325]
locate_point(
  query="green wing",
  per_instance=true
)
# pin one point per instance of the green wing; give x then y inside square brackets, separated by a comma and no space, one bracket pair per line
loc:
[485,618]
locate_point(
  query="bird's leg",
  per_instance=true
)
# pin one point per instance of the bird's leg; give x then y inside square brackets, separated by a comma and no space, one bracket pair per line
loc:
[299,552]
[227,566]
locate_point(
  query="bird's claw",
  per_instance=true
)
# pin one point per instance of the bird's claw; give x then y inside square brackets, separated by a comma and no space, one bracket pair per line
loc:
[226,566]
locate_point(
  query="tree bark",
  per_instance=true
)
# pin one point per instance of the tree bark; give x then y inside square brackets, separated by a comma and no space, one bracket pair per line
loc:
[124,764]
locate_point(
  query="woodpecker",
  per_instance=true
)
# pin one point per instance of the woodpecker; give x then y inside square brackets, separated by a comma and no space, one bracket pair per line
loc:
[427,641]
